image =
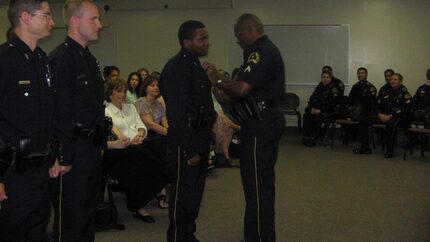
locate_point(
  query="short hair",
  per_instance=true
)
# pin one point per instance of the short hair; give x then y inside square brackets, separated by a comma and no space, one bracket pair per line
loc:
[108,69]
[112,85]
[16,7]
[138,85]
[187,30]
[389,70]
[327,67]
[148,81]
[399,75]
[156,74]
[247,20]
[362,68]
[73,8]
[326,72]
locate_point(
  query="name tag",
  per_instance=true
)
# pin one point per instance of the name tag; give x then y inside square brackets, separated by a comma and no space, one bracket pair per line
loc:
[24,82]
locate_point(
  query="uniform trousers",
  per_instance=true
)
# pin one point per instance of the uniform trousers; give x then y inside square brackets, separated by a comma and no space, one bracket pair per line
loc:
[24,216]
[186,194]
[74,195]
[258,155]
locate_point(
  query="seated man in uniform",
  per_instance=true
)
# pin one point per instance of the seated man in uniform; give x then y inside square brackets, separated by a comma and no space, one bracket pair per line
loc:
[421,103]
[325,102]
[392,109]
[361,99]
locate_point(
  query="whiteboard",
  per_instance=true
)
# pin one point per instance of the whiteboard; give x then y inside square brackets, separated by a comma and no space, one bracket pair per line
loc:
[305,50]
[104,49]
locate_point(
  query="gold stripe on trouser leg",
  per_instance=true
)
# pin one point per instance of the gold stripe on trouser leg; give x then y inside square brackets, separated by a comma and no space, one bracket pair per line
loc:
[60,202]
[177,191]
[256,188]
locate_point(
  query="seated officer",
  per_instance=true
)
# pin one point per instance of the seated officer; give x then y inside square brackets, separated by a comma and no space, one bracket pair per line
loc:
[392,109]
[385,88]
[337,81]
[421,103]
[323,103]
[362,98]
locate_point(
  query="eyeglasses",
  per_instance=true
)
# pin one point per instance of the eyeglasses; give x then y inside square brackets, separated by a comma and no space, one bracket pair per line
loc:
[47,16]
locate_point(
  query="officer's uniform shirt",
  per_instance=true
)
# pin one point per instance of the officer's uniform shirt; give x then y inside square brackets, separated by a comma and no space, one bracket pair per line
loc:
[340,84]
[396,102]
[385,88]
[79,93]
[326,98]
[26,95]
[421,100]
[186,90]
[363,93]
[263,68]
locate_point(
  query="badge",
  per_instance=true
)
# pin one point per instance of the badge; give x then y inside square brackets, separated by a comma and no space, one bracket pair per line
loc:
[253,58]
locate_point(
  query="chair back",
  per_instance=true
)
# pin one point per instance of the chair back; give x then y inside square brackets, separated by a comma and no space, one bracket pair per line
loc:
[289,102]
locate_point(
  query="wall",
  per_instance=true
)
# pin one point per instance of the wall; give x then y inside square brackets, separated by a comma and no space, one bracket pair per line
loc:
[383,33]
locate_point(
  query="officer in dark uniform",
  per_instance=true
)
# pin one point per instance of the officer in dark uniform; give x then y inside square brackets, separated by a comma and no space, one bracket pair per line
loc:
[259,86]
[393,110]
[325,102]
[78,123]
[186,90]
[26,113]
[421,103]
[385,88]
[335,80]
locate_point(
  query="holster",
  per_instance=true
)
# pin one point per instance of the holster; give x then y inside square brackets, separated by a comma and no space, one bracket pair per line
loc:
[54,149]
[249,108]
[7,156]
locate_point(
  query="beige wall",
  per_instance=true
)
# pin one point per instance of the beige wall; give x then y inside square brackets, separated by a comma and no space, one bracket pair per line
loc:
[383,33]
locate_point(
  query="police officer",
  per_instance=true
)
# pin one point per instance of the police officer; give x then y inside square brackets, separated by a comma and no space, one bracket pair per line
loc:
[78,122]
[325,102]
[187,92]
[387,75]
[25,124]
[393,110]
[421,103]
[335,80]
[259,85]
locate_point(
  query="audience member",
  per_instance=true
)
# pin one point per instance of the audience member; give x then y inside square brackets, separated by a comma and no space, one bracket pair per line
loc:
[110,73]
[336,81]
[392,109]
[143,72]
[128,158]
[421,103]
[134,82]
[325,102]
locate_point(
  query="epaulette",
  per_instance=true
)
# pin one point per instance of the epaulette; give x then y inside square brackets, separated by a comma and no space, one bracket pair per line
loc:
[6,47]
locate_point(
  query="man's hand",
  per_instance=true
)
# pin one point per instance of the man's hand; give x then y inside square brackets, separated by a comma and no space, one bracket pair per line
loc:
[57,169]
[211,71]
[384,118]
[3,195]
[195,160]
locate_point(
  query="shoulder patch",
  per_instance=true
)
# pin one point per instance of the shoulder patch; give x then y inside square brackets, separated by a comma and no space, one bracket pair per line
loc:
[407,95]
[253,58]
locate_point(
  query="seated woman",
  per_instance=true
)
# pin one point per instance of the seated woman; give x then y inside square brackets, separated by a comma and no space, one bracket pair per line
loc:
[153,114]
[134,82]
[150,108]
[325,102]
[127,158]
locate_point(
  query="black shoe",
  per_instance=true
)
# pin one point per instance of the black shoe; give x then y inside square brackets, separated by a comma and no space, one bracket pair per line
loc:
[362,150]
[211,167]
[146,218]
[305,140]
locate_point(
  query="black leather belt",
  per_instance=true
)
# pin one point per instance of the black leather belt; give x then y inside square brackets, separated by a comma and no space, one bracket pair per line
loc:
[86,133]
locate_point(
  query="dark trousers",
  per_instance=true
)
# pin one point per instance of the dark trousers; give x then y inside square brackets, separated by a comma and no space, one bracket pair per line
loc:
[311,125]
[25,214]
[390,130]
[186,195]
[258,154]
[74,196]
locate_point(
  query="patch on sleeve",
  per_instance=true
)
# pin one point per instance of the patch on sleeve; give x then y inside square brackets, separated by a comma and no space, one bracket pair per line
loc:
[408,96]
[253,58]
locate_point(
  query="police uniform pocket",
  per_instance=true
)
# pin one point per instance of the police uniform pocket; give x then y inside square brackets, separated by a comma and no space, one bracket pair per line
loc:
[83,90]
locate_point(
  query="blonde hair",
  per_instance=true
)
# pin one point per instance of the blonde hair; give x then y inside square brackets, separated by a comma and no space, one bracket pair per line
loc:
[73,8]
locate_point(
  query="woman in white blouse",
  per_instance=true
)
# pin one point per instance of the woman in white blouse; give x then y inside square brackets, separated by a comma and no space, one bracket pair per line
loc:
[127,158]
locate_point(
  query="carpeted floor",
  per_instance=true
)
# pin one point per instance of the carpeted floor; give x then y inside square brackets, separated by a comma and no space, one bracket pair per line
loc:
[323,194]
